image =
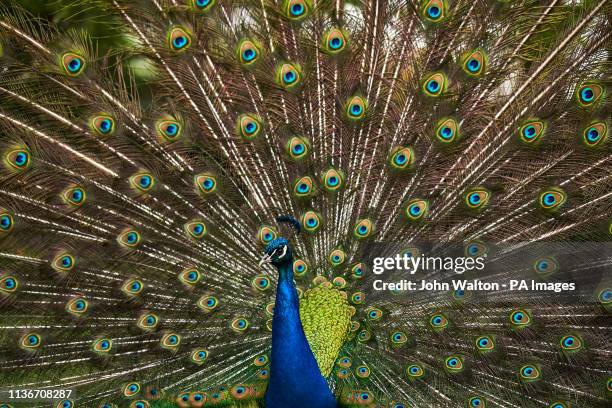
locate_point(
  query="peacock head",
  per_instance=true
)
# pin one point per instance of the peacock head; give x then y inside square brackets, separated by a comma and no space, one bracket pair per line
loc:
[277,252]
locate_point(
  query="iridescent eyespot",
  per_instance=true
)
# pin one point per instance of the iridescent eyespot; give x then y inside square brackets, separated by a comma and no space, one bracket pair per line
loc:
[208,303]
[571,343]
[332,179]
[398,338]
[434,10]
[595,134]
[532,131]
[140,404]
[417,209]
[415,371]
[248,52]
[170,341]
[65,403]
[142,182]
[17,159]
[435,84]
[299,267]
[266,234]
[477,198]
[263,374]
[397,405]
[364,397]
[30,341]
[343,373]
[355,326]
[476,249]
[545,266]
[356,108]
[6,221]
[401,158]
[335,41]
[206,183]
[311,222]
[374,314]
[102,125]
[438,321]
[169,130]
[130,389]
[261,360]
[63,262]
[297,10]
[476,402]
[74,196]
[337,257]
[261,283]
[357,271]
[589,94]
[148,322]
[195,229]
[178,39]
[8,284]
[102,345]
[288,75]
[364,336]
[363,228]
[77,306]
[129,238]
[298,147]
[474,63]
[529,373]
[72,64]
[339,282]
[239,324]
[107,405]
[485,344]
[249,126]
[202,5]
[344,361]
[190,276]
[303,187]
[239,392]
[551,199]
[558,404]
[362,371]
[605,296]
[357,298]
[453,364]
[447,130]
[520,318]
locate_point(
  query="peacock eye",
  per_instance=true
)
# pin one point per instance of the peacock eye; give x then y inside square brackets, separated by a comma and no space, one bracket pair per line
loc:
[239,324]
[18,159]
[303,187]
[261,283]
[170,341]
[415,371]
[249,126]
[311,222]
[202,5]
[179,39]
[207,303]
[248,52]
[63,262]
[447,130]
[102,345]
[362,371]
[357,271]
[288,75]
[148,322]
[297,10]
[485,343]
[130,389]
[206,183]
[140,404]
[520,318]
[6,221]
[605,296]
[102,125]
[332,179]
[168,130]
[435,84]
[438,321]
[195,229]
[529,373]
[142,182]
[334,41]
[474,63]
[72,63]
[475,249]
[477,198]
[64,404]
[545,266]
[77,306]
[398,339]
[357,298]
[356,108]
[453,364]
[74,196]
[30,341]
[190,276]
[532,131]
[434,10]
[8,284]
[261,360]
[401,158]
[298,148]
[266,234]
[417,209]
[476,402]
[363,228]
[571,343]
[589,94]
[337,257]
[129,238]
[199,356]
[595,134]
[552,198]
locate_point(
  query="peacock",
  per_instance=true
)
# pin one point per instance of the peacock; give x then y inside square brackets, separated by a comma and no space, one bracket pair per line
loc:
[195,195]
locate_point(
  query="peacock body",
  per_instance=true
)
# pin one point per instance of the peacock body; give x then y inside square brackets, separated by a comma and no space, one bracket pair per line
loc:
[154,150]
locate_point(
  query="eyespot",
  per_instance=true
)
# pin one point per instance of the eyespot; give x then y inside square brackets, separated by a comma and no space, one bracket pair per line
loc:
[374,314]
[332,180]
[6,221]
[474,63]
[485,344]
[415,371]
[102,125]
[18,159]
[30,341]
[140,404]
[343,373]
[72,64]
[356,108]
[476,249]
[195,229]
[142,182]
[476,402]
[401,158]
[206,183]
[397,405]
[605,296]
[170,341]
[288,75]
[339,282]
[447,130]
[434,10]
[297,10]
[102,345]
[261,283]
[459,294]
[202,5]
[357,298]
[357,271]
[355,326]
[8,284]
[453,364]
[77,306]
[190,276]
[178,39]
[344,361]
[398,339]
[529,372]
[337,257]
[532,131]
[335,41]
[129,238]
[417,209]
[66,403]
[311,222]
[249,126]
[168,130]
[438,321]
[107,405]
[64,262]
[571,343]
[595,134]
[239,324]
[299,267]
[303,187]
[552,198]
[130,389]
[362,371]
[589,93]
[298,148]
[261,360]
[74,196]
[558,404]
[266,234]
[364,336]
[477,198]
[545,266]
[148,322]
[263,374]
[435,84]
[363,228]
[208,303]
[248,52]
[520,318]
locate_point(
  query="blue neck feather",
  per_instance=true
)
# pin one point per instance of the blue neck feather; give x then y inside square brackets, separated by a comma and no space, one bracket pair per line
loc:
[295,379]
